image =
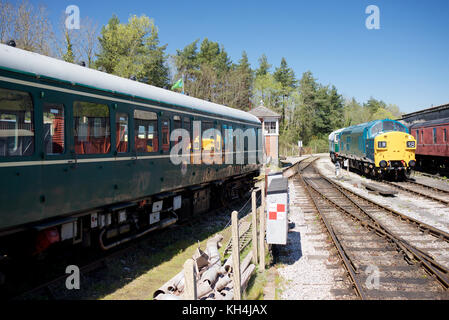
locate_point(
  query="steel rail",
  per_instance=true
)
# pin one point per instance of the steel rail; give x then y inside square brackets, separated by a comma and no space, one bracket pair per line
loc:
[420,225]
[446,202]
[411,252]
[427,186]
[347,263]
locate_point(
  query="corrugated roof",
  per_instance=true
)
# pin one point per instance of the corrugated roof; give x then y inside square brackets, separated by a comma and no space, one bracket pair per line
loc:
[422,124]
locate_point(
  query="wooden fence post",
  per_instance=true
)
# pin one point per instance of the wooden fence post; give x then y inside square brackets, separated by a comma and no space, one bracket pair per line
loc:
[254,225]
[190,280]
[236,256]
[262,232]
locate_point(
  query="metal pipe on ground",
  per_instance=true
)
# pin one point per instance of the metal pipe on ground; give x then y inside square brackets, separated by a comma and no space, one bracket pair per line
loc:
[222,282]
[167,296]
[212,247]
[171,285]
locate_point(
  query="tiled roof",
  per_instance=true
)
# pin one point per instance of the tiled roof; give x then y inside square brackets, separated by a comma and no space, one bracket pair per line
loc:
[263,112]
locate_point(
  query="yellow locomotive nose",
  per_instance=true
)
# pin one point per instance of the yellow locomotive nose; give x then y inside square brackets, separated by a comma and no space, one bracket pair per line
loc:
[394,149]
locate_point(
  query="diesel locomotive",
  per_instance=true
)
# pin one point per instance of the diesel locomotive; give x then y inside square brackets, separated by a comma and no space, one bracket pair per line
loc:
[85,156]
[379,149]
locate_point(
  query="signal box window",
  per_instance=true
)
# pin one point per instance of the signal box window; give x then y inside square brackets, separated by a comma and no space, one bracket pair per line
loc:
[53,115]
[16,123]
[121,124]
[270,127]
[145,131]
[91,128]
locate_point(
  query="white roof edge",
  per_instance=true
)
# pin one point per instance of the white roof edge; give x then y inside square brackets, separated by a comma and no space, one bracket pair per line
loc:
[25,61]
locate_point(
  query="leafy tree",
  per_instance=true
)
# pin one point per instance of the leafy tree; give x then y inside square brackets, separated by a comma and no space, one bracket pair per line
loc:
[382,113]
[373,104]
[133,49]
[267,90]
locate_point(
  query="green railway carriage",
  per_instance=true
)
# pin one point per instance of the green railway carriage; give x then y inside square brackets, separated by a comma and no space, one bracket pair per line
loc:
[378,148]
[86,156]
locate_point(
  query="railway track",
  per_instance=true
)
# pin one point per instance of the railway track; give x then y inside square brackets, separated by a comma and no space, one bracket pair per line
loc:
[423,190]
[409,259]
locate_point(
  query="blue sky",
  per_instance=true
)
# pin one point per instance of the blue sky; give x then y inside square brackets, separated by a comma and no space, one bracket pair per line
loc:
[405,62]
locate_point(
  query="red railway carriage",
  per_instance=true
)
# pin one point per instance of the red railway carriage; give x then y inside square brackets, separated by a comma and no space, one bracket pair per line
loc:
[432,150]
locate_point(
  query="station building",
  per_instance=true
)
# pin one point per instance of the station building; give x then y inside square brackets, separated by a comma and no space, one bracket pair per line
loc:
[270,125]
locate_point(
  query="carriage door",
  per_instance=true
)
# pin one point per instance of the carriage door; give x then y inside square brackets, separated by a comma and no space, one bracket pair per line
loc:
[165,134]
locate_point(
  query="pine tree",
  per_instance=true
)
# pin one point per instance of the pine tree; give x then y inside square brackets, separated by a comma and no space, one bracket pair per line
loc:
[286,77]
[264,66]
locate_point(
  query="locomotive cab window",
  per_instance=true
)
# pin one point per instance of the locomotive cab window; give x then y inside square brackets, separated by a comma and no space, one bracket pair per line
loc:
[16,123]
[53,119]
[145,131]
[91,128]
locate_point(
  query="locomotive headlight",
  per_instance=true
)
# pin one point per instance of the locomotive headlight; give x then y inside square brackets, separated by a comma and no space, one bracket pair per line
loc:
[410,144]
[383,163]
[382,144]
[412,163]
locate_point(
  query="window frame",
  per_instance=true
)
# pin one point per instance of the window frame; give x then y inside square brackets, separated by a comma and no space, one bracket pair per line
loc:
[66,129]
[78,98]
[32,92]
[158,128]
[130,135]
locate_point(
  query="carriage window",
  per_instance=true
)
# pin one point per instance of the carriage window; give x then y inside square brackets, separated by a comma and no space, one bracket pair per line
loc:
[165,128]
[417,136]
[145,131]
[444,135]
[53,115]
[16,123]
[91,128]
[218,139]
[207,142]
[187,126]
[434,135]
[121,124]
